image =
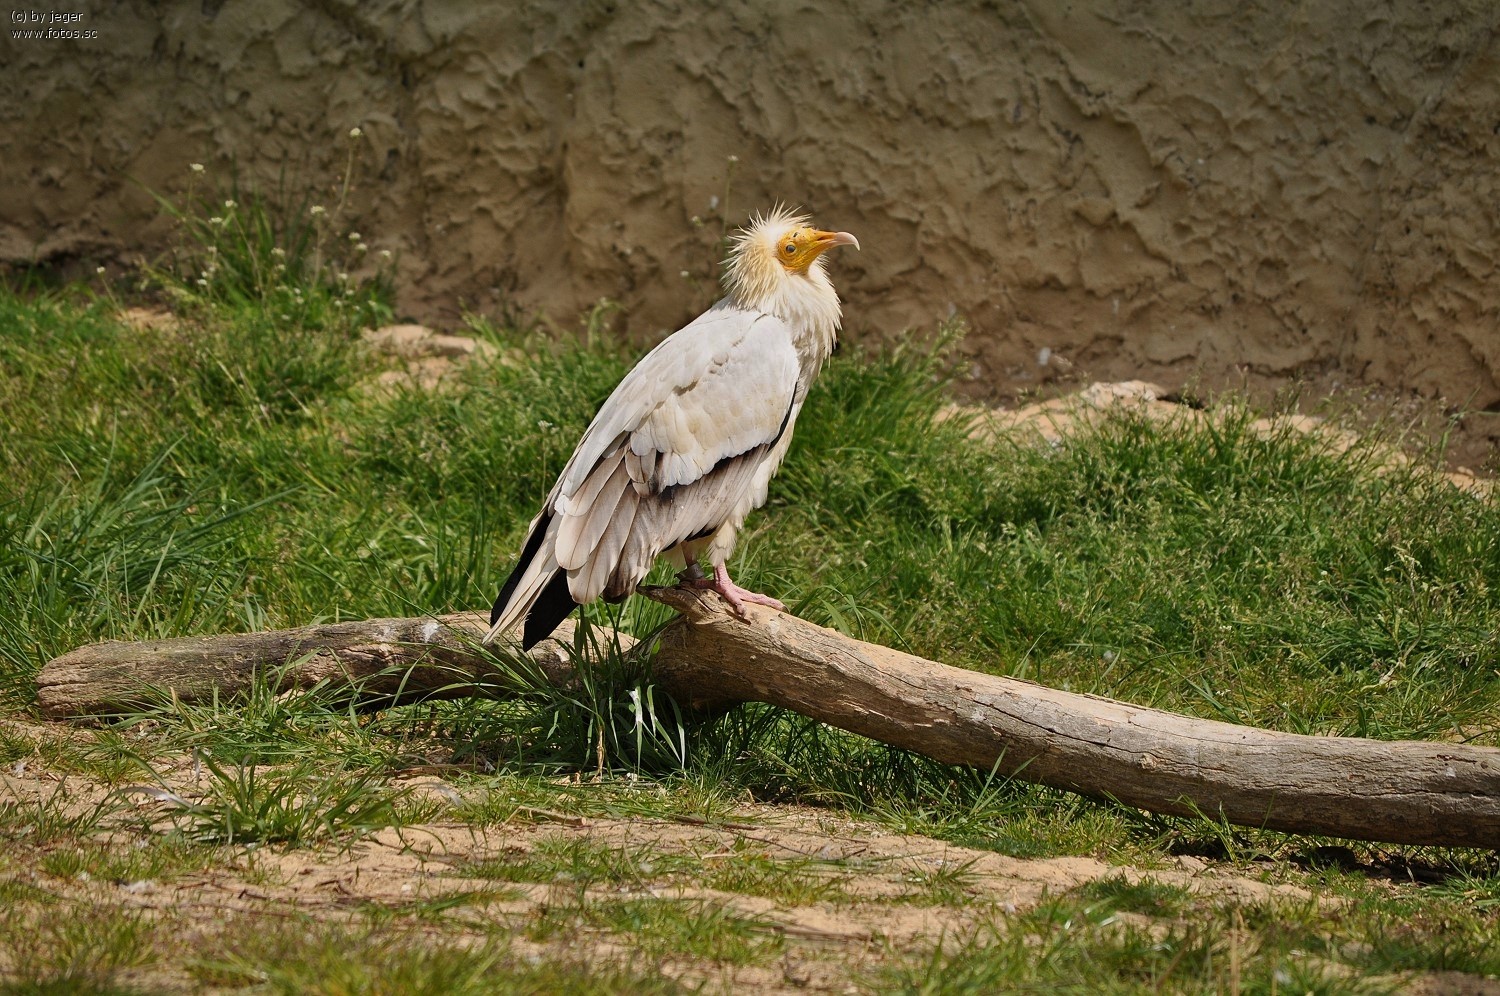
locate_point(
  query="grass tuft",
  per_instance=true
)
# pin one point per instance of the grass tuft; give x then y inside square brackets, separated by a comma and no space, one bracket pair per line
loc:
[297,804]
[74,950]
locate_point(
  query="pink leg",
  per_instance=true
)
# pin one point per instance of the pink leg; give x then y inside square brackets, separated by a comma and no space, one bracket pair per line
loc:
[731,592]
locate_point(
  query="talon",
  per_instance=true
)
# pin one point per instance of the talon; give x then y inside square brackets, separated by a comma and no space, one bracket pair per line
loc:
[732,593]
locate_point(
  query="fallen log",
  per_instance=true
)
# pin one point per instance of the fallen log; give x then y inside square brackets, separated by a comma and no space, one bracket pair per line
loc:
[1403,792]
[383,662]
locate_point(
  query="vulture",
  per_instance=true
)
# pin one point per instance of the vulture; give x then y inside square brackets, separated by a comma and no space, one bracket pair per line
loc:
[687,443]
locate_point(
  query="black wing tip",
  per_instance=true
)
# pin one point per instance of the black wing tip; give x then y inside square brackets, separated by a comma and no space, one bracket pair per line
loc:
[533,544]
[552,606]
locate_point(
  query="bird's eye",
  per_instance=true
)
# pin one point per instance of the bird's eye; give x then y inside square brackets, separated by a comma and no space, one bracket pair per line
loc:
[789,248]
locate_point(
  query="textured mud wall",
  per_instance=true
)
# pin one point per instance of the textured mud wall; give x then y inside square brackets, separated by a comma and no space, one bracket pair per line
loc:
[1158,188]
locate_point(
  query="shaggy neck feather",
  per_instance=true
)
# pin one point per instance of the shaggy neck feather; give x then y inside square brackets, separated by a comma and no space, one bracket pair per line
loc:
[806,301]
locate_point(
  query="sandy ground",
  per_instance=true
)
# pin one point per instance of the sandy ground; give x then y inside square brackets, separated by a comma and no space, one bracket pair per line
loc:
[874,910]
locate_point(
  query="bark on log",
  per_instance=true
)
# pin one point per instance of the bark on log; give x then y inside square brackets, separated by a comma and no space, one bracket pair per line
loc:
[382,661]
[1395,791]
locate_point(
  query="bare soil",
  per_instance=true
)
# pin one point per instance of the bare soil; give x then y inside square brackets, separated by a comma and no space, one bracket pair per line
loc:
[876,908]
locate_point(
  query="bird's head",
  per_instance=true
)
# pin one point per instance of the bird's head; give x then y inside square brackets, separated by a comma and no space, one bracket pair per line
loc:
[799,246]
[774,251]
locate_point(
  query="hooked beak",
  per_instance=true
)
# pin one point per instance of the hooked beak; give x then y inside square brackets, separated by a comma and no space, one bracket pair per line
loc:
[827,240]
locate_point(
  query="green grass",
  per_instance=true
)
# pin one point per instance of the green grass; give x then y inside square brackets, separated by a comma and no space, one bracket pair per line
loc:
[1204,570]
[662,928]
[791,882]
[578,861]
[305,958]
[582,863]
[1064,946]
[58,814]
[72,949]
[1147,897]
[305,803]
[148,858]
[1096,939]
[229,472]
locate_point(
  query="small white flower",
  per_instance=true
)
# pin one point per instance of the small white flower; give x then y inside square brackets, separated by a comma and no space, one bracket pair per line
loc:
[385,254]
[317,209]
[278,252]
[99,270]
[353,236]
[216,220]
[343,277]
[197,167]
[362,247]
[734,159]
[355,132]
[229,205]
[686,274]
[202,282]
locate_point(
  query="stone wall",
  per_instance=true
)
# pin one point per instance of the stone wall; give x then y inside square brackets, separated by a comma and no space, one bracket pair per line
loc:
[1165,189]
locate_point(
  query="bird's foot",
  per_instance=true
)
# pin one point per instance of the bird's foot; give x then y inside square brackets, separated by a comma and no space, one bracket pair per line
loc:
[732,593]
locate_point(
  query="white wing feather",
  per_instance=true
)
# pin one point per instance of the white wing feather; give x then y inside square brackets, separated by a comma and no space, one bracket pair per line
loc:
[680,448]
[686,399]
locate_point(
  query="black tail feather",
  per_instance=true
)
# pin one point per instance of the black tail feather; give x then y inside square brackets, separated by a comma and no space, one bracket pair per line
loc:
[552,607]
[533,544]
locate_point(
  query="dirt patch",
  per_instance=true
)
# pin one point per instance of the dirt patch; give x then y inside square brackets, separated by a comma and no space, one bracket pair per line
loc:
[839,894]
[1050,422]
[424,359]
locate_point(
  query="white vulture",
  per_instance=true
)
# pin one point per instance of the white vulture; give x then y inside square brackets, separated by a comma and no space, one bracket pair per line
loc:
[687,444]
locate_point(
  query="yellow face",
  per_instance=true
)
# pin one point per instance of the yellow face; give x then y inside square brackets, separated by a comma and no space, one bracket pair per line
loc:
[798,247]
